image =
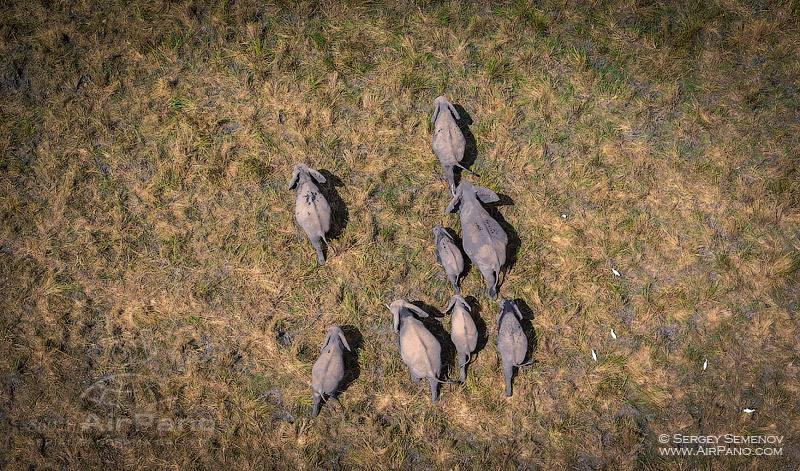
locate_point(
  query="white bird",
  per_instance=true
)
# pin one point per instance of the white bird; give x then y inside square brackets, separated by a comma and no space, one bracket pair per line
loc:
[705,364]
[615,272]
[613,334]
[748,410]
[594,355]
[563,216]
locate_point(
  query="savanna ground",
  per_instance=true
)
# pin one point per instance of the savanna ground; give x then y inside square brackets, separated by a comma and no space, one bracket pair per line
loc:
[150,263]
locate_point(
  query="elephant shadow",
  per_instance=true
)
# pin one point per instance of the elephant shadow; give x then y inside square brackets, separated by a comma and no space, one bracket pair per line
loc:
[352,366]
[340,216]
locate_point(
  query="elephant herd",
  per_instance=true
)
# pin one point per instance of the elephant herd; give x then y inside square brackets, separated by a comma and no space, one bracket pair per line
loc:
[484,242]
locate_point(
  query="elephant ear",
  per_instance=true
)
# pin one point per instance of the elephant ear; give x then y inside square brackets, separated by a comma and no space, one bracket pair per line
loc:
[517,312]
[396,320]
[465,304]
[435,115]
[419,312]
[295,176]
[486,195]
[451,208]
[326,343]
[316,176]
[453,110]
[344,340]
[450,305]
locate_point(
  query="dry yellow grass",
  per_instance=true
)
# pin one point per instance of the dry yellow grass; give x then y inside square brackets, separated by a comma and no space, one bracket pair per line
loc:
[149,247]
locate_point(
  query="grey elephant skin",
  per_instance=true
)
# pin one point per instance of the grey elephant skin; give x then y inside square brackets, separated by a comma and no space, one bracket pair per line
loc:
[463,331]
[419,349]
[511,341]
[328,370]
[449,256]
[311,210]
[484,240]
[448,141]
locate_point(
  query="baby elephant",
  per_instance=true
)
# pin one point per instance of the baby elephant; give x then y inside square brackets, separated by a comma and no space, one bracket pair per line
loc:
[448,141]
[484,240]
[311,209]
[449,256]
[328,371]
[463,332]
[419,349]
[511,340]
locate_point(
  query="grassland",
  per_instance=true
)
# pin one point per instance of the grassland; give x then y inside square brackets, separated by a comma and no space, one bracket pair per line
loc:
[148,237]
